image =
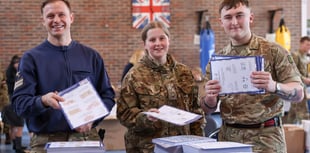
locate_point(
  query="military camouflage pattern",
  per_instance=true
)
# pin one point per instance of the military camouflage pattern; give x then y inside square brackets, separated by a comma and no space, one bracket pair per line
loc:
[301,62]
[6,128]
[264,140]
[4,97]
[299,111]
[38,141]
[201,88]
[148,85]
[257,108]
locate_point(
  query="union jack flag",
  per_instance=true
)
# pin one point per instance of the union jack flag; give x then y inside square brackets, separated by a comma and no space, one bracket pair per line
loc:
[144,11]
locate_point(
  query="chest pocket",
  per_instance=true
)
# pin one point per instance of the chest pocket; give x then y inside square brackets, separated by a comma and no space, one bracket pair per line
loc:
[187,91]
[80,74]
[150,95]
[186,96]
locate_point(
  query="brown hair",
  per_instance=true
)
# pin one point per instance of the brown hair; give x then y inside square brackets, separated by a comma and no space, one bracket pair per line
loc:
[304,38]
[232,4]
[152,25]
[51,1]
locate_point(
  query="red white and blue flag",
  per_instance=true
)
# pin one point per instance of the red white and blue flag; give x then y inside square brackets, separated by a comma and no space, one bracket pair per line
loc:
[145,11]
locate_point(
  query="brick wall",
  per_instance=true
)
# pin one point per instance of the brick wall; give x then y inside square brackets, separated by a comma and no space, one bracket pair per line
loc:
[106,26]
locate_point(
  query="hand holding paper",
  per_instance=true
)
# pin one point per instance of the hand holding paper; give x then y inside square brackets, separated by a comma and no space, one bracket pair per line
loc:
[174,115]
[234,73]
[263,80]
[150,117]
[212,88]
[82,105]
[51,99]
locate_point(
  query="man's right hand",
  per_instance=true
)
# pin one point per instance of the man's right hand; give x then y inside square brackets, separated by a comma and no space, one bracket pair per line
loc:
[51,99]
[210,100]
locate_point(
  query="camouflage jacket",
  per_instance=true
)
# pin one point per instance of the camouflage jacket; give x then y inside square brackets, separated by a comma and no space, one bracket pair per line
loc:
[299,111]
[256,108]
[301,62]
[148,85]
[4,97]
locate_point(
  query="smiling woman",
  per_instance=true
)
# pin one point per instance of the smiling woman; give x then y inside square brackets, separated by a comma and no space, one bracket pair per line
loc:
[156,41]
[157,80]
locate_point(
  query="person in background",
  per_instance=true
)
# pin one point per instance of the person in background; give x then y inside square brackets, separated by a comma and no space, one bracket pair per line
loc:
[6,131]
[134,59]
[299,111]
[56,64]
[253,118]
[10,117]
[4,102]
[157,80]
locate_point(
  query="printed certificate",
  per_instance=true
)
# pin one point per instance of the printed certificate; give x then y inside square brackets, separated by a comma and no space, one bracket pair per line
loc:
[233,73]
[82,104]
[174,115]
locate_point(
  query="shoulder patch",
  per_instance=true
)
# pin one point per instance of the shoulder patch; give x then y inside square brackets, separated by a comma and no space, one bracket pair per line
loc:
[290,59]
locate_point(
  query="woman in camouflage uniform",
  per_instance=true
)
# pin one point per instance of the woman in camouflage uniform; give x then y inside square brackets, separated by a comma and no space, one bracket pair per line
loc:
[157,80]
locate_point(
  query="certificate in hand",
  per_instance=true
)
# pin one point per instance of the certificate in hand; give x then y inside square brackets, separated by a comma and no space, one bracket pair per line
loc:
[82,104]
[174,115]
[233,73]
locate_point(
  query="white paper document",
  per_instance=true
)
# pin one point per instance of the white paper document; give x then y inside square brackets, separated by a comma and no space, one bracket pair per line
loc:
[173,144]
[180,140]
[74,146]
[82,104]
[233,73]
[174,115]
[217,147]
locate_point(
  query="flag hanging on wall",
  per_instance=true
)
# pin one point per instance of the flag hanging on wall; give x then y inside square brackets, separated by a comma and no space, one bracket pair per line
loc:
[145,11]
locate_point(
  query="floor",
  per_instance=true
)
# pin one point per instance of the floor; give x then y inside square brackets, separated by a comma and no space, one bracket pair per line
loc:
[26,140]
[8,148]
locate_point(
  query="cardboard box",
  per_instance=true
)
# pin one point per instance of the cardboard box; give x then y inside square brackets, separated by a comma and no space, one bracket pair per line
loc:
[294,138]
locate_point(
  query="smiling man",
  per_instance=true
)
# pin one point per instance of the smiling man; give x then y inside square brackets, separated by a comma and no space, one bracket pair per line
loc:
[254,118]
[52,66]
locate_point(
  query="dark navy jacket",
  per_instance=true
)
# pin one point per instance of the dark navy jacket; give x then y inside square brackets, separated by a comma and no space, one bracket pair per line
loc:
[49,68]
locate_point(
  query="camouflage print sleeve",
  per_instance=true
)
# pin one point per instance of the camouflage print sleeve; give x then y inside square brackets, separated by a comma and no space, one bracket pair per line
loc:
[128,111]
[4,98]
[197,127]
[190,88]
[301,66]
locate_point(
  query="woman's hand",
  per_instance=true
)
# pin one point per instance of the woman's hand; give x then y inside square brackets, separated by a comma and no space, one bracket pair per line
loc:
[150,117]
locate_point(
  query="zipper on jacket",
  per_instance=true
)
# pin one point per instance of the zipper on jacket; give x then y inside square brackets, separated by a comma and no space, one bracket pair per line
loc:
[67,61]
